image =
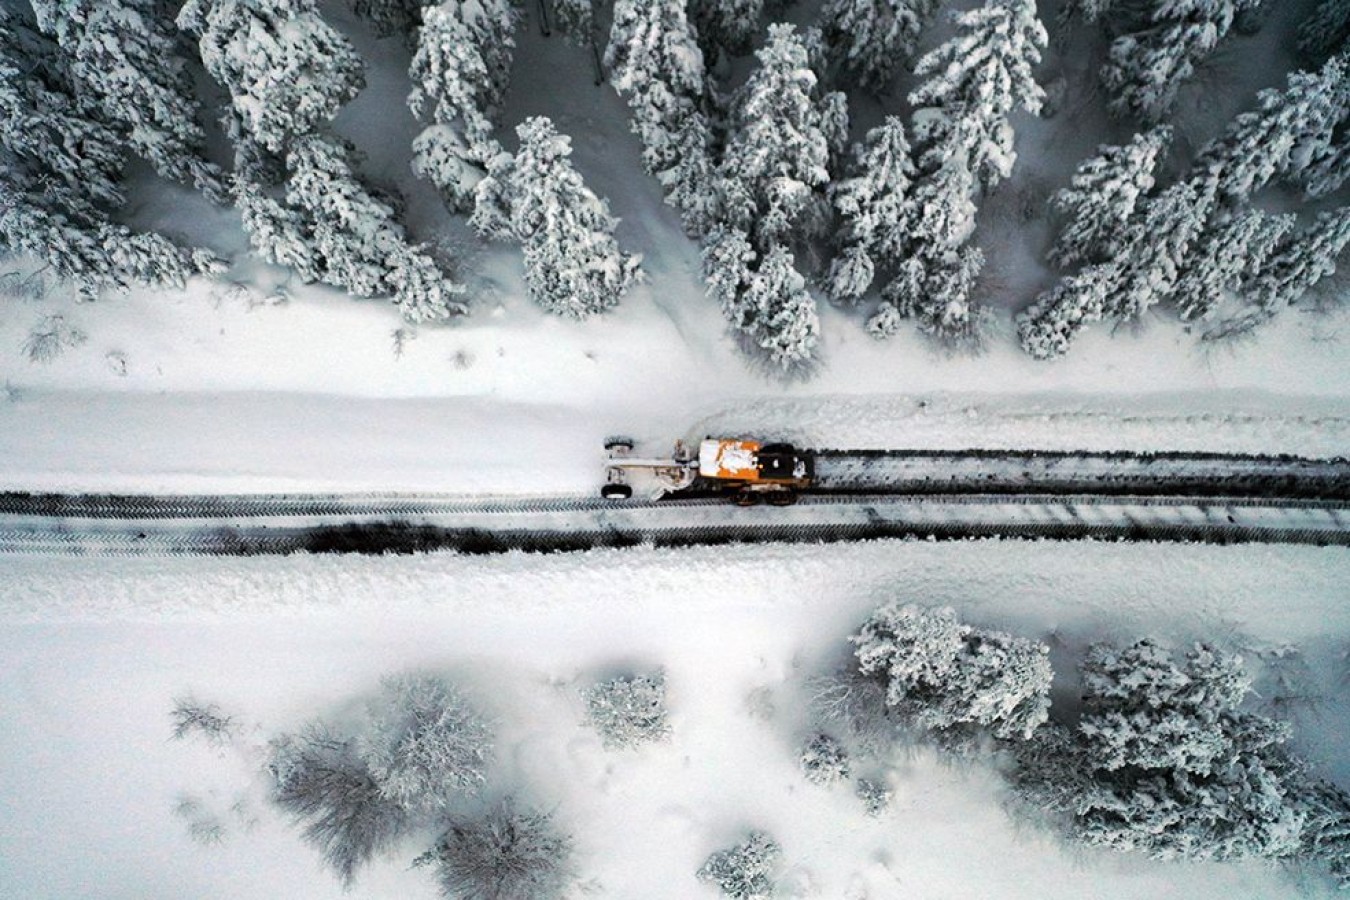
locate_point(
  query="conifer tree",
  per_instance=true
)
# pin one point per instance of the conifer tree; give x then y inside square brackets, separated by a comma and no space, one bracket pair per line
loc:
[1226,258]
[123,53]
[778,150]
[1103,195]
[1298,264]
[1325,31]
[1280,135]
[460,73]
[873,211]
[1147,66]
[868,39]
[973,82]
[693,183]
[725,25]
[390,17]
[44,120]
[288,72]
[1047,328]
[573,265]
[776,313]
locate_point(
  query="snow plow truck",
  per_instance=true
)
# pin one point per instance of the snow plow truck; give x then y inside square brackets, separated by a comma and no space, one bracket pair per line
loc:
[746,470]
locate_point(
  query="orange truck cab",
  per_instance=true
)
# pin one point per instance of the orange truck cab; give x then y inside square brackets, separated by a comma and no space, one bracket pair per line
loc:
[754,466]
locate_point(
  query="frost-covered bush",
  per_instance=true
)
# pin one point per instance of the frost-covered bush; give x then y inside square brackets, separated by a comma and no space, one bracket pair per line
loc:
[1175,770]
[745,871]
[506,854]
[191,716]
[824,761]
[629,712]
[426,744]
[875,796]
[942,674]
[321,780]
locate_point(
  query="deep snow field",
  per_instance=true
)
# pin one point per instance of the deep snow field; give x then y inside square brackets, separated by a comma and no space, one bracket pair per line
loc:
[271,385]
[94,652]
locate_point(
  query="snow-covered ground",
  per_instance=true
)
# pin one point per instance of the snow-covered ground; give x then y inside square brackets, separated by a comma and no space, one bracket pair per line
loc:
[94,652]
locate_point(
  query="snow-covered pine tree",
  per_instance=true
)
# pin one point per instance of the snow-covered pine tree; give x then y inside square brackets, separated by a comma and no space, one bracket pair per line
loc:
[1175,769]
[1326,31]
[1146,67]
[935,291]
[573,265]
[1047,327]
[83,246]
[776,313]
[778,149]
[1102,197]
[872,211]
[357,237]
[122,52]
[728,269]
[390,17]
[1157,249]
[973,82]
[1142,269]
[575,19]
[867,39]
[693,182]
[1281,136]
[745,871]
[45,121]
[725,25]
[654,62]
[941,673]
[279,233]
[1301,261]
[460,72]
[1330,171]
[1226,258]
[287,70]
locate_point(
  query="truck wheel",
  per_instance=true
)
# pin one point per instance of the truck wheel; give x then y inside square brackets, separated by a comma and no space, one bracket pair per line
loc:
[619,444]
[746,497]
[617,491]
[782,498]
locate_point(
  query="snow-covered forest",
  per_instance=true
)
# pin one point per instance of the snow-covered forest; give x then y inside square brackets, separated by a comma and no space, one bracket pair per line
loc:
[868,155]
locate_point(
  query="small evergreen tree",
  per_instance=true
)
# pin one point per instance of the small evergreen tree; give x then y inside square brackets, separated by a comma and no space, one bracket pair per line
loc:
[935,291]
[1326,30]
[1296,266]
[775,313]
[943,674]
[1047,327]
[287,70]
[867,39]
[460,72]
[573,266]
[390,17]
[725,25]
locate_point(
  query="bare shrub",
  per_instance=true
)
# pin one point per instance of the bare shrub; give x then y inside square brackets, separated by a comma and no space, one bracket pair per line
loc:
[855,705]
[506,854]
[203,826]
[320,780]
[51,337]
[629,712]
[191,716]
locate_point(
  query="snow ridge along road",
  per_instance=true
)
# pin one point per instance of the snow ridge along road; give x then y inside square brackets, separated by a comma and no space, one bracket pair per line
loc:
[859,495]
